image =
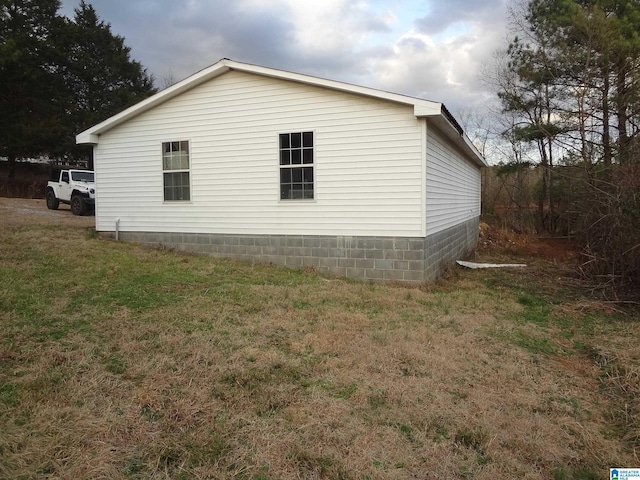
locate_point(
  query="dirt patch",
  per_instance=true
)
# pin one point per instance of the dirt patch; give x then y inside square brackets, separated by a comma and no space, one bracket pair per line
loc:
[499,240]
[22,211]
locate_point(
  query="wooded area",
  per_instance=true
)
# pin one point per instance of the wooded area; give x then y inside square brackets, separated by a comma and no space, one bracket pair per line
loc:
[59,76]
[569,84]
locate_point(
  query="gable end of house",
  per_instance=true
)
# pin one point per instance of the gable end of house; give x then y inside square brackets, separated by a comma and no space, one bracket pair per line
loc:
[265,165]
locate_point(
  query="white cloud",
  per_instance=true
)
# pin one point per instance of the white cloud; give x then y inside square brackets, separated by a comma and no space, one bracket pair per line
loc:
[443,62]
[330,25]
[432,50]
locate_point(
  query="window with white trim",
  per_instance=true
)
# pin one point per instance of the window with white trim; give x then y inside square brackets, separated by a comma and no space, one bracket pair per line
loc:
[296,166]
[175,171]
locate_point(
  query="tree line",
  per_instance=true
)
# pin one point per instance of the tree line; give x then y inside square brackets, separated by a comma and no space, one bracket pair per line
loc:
[569,85]
[59,76]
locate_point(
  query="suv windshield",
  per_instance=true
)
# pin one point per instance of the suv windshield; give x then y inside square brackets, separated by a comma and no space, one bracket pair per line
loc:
[82,176]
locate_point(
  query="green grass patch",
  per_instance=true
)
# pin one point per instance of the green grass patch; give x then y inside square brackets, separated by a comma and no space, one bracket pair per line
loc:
[10,394]
[536,310]
[115,365]
[580,473]
[534,344]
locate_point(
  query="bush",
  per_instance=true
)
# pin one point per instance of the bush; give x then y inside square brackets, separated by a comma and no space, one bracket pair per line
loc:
[30,180]
[609,228]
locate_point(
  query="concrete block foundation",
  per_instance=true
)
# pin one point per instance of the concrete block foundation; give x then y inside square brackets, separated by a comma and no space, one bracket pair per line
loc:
[407,259]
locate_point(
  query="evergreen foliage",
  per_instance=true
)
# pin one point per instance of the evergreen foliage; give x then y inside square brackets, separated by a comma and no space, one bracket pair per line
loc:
[31,105]
[99,73]
[573,83]
[60,76]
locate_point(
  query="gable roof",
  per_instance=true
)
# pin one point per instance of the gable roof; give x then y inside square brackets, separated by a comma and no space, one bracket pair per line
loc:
[434,111]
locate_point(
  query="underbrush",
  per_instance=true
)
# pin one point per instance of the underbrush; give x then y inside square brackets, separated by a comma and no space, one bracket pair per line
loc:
[620,378]
[30,180]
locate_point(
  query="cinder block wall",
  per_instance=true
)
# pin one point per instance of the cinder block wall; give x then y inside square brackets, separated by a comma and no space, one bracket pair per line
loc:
[411,260]
[445,247]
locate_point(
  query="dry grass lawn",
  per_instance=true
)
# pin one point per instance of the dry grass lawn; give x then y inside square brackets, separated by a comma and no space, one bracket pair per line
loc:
[122,362]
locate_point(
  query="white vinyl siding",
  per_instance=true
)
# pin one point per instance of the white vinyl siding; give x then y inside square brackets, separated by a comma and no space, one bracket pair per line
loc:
[453,185]
[368,160]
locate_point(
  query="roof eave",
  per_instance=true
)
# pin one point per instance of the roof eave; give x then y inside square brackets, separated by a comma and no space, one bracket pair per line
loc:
[86,138]
[447,125]
[91,135]
[421,108]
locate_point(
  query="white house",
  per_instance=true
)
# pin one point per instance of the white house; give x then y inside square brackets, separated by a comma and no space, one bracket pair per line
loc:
[266,165]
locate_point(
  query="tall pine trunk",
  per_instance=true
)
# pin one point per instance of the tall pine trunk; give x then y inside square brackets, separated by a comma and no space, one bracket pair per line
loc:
[11,173]
[621,97]
[544,201]
[606,132]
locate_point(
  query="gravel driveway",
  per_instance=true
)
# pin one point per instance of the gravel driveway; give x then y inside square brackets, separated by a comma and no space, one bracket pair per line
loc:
[25,211]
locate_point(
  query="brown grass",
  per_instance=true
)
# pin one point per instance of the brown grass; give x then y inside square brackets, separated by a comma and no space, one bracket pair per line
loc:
[261,373]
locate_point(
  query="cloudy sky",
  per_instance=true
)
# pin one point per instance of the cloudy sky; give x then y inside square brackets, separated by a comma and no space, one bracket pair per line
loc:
[433,49]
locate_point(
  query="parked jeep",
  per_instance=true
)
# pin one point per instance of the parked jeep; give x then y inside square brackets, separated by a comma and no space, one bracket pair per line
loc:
[74,187]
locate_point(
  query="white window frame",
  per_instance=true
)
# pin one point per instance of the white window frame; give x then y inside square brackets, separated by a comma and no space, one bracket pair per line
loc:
[174,164]
[297,166]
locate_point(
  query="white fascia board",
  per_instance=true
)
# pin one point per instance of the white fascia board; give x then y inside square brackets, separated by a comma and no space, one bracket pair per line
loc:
[424,108]
[464,140]
[475,151]
[421,108]
[458,138]
[91,135]
[86,138]
[420,105]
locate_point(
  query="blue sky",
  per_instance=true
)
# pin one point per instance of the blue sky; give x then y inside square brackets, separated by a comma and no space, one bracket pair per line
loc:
[430,49]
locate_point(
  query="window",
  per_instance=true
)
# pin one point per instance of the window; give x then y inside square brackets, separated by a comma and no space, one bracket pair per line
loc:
[296,166]
[175,170]
[82,176]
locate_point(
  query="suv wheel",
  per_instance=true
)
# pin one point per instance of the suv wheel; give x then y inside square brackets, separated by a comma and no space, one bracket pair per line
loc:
[52,202]
[78,206]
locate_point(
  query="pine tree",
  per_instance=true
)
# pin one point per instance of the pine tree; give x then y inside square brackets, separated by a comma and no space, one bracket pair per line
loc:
[575,85]
[59,76]
[31,105]
[101,76]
